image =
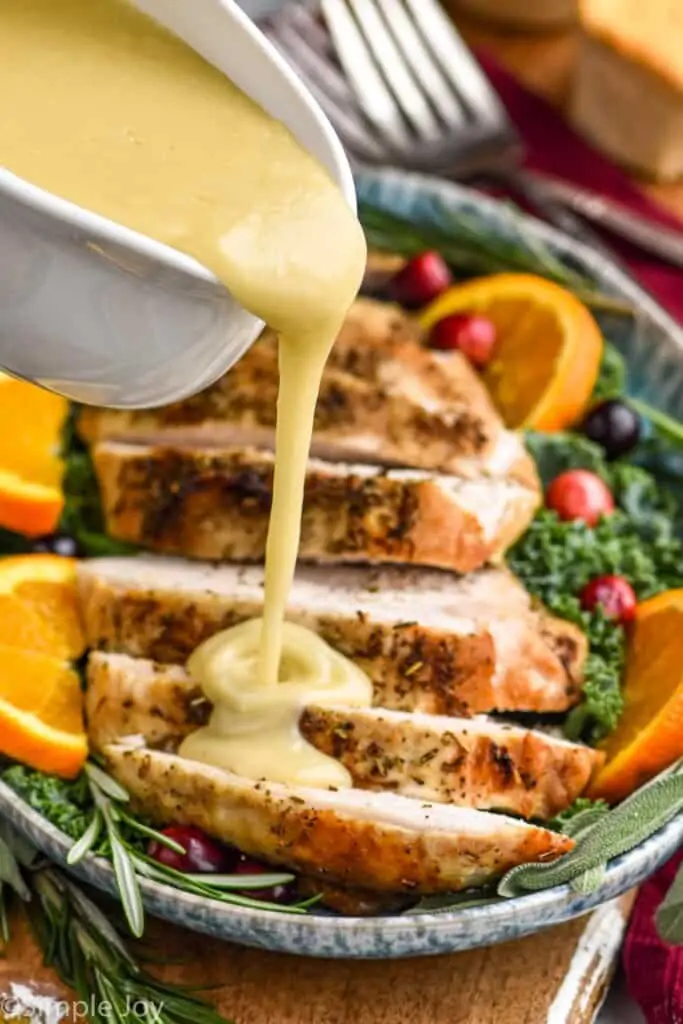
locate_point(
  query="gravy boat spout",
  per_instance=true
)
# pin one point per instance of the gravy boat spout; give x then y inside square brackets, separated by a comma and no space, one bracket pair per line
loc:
[107,316]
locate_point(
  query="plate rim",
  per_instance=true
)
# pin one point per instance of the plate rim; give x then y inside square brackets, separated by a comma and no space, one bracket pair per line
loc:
[622,873]
[502,210]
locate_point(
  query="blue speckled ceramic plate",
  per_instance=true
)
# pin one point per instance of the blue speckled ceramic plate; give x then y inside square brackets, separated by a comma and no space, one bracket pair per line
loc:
[654,350]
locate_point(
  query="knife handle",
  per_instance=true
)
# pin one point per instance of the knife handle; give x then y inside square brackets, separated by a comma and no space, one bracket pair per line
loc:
[656,239]
[546,204]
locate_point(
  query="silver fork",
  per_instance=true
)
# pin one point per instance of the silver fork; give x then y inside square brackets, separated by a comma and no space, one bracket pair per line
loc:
[402,88]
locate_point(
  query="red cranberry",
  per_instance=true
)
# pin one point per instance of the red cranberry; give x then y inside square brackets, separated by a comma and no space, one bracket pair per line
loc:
[579,494]
[471,334]
[274,894]
[202,853]
[423,279]
[614,594]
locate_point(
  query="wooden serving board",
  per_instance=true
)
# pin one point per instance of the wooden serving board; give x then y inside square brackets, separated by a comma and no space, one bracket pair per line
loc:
[559,976]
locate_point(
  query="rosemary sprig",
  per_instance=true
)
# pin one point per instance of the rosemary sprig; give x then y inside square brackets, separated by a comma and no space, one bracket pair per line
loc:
[84,947]
[110,820]
[204,885]
[105,792]
[470,251]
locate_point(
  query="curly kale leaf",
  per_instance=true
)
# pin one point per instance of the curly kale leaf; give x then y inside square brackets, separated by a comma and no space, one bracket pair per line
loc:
[556,559]
[82,516]
[582,804]
[556,453]
[67,805]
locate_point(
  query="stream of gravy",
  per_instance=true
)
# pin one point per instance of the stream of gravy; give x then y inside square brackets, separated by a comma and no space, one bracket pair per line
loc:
[101,106]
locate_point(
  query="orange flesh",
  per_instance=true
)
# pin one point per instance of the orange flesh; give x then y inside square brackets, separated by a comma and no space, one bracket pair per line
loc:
[650,735]
[548,349]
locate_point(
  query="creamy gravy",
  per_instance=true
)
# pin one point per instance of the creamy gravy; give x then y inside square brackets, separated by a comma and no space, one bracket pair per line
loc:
[104,108]
[249,719]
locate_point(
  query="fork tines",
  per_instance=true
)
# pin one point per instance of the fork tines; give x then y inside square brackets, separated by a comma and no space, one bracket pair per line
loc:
[393,76]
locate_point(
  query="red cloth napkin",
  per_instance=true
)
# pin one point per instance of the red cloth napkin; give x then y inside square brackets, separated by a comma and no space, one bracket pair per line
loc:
[553,147]
[654,970]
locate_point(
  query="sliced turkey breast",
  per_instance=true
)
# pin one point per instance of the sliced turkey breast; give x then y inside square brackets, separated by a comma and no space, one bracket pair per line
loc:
[215,504]
[375,841]
[469,762]
[429,641]
[385,399]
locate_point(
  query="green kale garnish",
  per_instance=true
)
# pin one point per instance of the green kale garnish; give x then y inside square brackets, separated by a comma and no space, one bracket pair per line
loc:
[556,559]
[82,517]
[555,453]
[580,806]
[67,805]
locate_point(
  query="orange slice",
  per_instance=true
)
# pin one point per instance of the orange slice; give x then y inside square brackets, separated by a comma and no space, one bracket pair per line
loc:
[649,736]
[548,348]
[41,712]
[31,422]
[29,508]
[38,606]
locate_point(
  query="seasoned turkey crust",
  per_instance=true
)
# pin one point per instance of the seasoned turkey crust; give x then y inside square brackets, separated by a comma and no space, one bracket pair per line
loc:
[428,640]
[215,504]
[385,399]
[469,762]
[365,840]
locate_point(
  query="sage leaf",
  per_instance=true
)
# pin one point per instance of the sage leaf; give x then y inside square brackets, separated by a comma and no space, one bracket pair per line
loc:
[589,881]
[582,822]
[669,917]
[636,819]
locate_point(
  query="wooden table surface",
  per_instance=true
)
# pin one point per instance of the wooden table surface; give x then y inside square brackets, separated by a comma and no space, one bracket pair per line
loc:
[543,62]
[558,976]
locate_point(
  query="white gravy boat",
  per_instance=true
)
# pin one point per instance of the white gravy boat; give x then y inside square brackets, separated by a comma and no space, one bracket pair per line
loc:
[107,316]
